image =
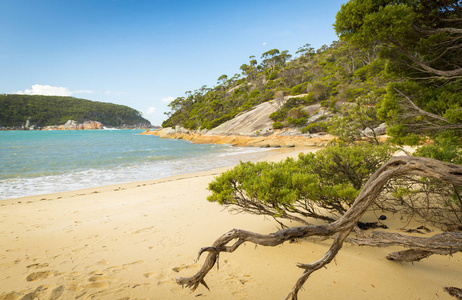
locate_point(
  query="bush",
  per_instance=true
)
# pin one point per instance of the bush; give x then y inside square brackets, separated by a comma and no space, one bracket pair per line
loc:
[277,116]
[299,89]
[330,179]
[278,125]
[297,122]
[315,127]
[254,94]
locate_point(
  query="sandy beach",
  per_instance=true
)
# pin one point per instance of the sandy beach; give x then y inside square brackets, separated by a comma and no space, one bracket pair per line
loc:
[130,241]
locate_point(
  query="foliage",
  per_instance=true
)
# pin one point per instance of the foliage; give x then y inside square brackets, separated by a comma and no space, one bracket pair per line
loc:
[444,148]
[329,179]
[422,42]
[414,108]
[41,111]
[422,38]
[278,125]
[354,118]
[315,127]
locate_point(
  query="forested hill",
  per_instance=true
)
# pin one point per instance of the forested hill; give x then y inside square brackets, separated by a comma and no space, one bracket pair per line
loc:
[329,76]
[42,111]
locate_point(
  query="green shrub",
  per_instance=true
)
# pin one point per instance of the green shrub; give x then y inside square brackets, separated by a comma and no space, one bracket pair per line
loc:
[297,122]
[277,116]
[315,127]
[254,94]
[299,89]
[278,125]
[331,179]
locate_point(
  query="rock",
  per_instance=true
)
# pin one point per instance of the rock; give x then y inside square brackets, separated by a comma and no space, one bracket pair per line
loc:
[312,109]
[87,125]
[321,114]
[382,217]
[251,123]
[379,130]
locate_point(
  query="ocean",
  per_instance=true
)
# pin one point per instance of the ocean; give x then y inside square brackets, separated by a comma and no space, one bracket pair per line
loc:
[41,162]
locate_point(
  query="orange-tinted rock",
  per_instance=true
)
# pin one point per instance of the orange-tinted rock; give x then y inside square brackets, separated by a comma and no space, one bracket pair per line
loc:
[245,141]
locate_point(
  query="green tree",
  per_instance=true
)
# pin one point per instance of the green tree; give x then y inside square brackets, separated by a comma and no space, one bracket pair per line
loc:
[423,37]
[423,43]
[274,58]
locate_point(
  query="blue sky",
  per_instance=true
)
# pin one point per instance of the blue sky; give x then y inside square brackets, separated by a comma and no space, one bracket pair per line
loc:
[144,54]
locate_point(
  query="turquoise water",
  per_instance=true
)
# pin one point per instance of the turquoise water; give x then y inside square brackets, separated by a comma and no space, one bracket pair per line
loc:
[39,162]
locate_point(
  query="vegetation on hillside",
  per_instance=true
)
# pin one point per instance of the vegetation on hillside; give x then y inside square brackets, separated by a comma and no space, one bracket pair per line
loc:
[422,41]
[329,76]
[42,111]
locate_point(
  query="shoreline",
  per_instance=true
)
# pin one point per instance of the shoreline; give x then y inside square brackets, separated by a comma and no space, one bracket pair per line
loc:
[269,141]
[131,240]
[271,155]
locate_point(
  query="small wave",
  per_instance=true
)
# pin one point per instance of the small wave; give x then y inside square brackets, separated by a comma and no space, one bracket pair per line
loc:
[153,168]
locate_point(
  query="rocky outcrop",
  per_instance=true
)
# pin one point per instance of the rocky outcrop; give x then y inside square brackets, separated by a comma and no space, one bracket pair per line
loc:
[254,122]
[73,125]
[275,140]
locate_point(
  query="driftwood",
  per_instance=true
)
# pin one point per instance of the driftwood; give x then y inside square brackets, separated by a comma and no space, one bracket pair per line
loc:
[453,291]
[446,243]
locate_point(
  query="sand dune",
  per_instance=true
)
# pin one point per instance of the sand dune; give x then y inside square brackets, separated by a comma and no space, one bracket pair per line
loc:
[130,241]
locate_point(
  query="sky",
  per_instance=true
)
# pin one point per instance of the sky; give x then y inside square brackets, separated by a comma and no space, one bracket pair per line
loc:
[142,53]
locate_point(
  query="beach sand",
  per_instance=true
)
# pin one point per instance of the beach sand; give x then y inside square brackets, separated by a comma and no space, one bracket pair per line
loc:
[130,241]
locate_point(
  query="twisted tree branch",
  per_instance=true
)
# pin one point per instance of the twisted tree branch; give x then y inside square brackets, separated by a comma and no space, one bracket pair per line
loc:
[396,167]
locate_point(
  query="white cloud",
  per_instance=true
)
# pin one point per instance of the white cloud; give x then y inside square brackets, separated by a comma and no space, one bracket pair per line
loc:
[167,99]
[150,110]
[264,43]
[48,90]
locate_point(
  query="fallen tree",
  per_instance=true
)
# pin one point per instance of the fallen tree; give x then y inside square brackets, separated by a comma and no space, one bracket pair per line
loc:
[418,247]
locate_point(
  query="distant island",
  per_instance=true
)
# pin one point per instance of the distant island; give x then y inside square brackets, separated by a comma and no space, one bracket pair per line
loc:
[29,112]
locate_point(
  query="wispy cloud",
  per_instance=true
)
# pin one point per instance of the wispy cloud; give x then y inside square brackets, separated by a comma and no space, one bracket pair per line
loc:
[264,44]
[150,110]
[48,90]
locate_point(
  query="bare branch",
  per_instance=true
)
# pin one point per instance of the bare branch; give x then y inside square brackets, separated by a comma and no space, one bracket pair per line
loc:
[439,30]
[426,68]
[421,111]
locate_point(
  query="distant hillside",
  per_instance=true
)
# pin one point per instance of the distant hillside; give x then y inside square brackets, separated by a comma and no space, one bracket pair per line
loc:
[42,111]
